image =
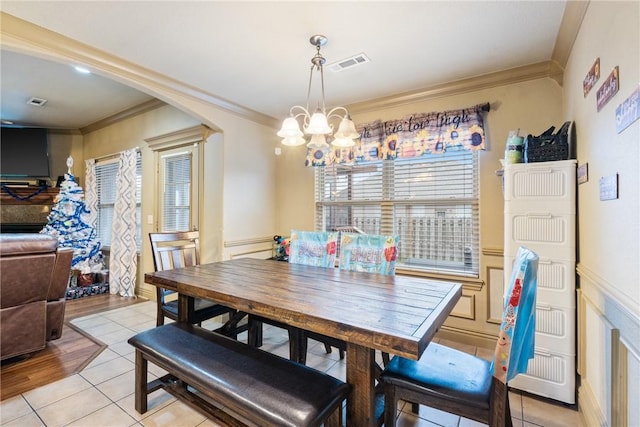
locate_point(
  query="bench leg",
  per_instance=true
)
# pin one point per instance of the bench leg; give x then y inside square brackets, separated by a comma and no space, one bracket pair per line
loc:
[141,383]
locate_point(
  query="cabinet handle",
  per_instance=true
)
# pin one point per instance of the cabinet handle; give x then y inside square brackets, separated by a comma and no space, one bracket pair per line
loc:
[539,215]
[541,170]
[541,306]
[542,352]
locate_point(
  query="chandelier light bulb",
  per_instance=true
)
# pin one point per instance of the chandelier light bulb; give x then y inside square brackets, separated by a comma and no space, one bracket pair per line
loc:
[347,129]
[293,141]
[318,125]
[318,142]
[290,128]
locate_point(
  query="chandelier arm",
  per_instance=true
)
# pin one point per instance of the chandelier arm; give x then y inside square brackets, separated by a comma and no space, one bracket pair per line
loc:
[304,112]
[334,113]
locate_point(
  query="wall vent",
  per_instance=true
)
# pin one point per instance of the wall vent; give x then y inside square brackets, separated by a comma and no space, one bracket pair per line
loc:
[37,102]
[353,61]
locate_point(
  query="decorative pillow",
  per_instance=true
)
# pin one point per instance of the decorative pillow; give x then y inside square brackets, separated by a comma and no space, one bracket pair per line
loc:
[313,248]
[369,252]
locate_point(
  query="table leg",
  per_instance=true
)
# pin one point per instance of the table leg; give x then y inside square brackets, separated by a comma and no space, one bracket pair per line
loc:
[183,308]
[361,376]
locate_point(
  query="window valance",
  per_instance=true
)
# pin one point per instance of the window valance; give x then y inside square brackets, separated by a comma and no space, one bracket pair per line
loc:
[415,135]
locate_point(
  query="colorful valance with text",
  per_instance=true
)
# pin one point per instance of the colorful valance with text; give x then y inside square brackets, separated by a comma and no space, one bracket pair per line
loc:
[412,136]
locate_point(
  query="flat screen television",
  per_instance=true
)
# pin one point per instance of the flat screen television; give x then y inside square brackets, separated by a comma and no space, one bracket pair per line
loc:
[24,153]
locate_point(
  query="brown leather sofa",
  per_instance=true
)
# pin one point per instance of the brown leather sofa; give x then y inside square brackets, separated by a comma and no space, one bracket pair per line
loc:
[33,280]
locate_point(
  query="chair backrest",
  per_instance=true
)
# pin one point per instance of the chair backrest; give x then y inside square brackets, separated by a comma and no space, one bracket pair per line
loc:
[175,249]
[516,338]
[313,248]
[369,252]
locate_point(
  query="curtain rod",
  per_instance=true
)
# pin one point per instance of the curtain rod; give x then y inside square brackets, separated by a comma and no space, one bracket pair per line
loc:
[114,155]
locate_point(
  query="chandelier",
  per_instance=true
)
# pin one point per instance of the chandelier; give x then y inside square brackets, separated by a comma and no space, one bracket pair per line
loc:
[317,125]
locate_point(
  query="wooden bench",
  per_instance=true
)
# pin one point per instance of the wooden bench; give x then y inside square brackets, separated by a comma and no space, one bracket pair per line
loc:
[245,383]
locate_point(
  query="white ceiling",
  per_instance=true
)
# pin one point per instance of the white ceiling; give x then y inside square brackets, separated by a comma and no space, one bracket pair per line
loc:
[257,54]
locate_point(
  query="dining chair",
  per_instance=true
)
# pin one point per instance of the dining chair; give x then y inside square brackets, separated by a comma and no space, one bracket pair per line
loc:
[178,250]
[370,253]
[317,248]
[460,383]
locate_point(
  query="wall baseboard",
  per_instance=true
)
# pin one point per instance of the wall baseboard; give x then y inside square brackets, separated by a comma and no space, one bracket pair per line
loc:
[588,408]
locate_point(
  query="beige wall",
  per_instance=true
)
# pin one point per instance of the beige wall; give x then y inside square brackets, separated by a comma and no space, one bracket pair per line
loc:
[609,231]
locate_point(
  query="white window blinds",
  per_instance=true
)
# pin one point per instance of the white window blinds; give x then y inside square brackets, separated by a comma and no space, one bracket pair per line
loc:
[430,202]
[176,204]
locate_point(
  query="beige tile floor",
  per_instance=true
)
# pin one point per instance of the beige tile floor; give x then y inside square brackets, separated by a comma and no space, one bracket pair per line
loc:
[102,394]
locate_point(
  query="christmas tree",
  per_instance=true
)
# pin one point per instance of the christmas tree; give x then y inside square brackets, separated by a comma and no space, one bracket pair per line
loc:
[69,223]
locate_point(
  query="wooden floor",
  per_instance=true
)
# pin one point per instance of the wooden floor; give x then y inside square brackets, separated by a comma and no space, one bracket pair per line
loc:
[95,304]
[62,357]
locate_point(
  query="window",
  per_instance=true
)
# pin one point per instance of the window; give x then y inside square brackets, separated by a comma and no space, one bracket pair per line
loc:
[106,172]
[178,196]
[430,202]
[178,161]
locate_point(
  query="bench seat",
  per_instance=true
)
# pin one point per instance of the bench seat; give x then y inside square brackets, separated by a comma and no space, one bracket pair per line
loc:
[246,382]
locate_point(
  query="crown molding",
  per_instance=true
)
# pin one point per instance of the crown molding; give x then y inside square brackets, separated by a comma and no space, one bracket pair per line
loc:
[123,115]
[25,37]
[569,27]
[539,70]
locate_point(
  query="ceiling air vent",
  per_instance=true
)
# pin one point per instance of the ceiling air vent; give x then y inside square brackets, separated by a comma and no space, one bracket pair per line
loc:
[358,59]
[37,102]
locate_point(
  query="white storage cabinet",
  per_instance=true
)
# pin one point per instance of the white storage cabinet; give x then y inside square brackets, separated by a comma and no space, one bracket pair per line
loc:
[540,214]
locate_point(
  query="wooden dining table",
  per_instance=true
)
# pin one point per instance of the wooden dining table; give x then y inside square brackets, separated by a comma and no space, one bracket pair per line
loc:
[395,314]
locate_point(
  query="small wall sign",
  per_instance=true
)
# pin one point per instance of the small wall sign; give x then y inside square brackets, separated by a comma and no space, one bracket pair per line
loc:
[591,78]
[609,187]
[629,111]
[608,89]
[583,173]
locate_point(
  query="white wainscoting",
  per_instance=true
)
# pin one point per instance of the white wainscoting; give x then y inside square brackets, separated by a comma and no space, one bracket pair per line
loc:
[256,247]
[609,354]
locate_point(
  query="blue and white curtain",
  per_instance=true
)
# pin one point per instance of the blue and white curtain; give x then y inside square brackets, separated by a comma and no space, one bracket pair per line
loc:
[91,192]
[123,257]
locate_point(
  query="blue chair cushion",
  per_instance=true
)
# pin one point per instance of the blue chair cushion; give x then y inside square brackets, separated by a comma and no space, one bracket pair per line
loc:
[445,372]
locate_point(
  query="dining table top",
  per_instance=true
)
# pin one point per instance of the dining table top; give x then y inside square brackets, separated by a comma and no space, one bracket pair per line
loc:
[394,314]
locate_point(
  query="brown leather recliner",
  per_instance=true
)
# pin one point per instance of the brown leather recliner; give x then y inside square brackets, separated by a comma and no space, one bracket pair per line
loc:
[34,275]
